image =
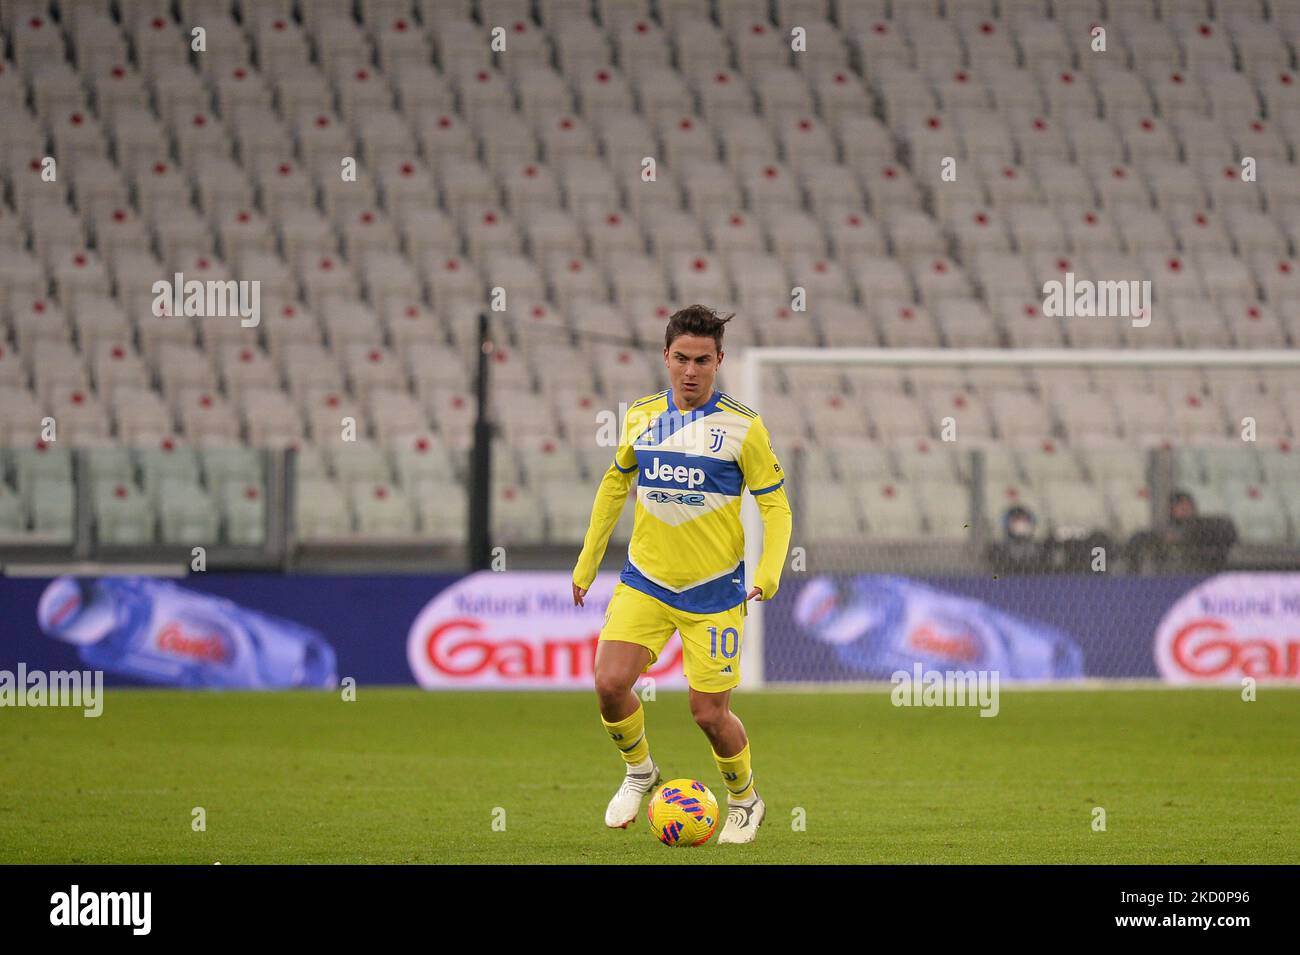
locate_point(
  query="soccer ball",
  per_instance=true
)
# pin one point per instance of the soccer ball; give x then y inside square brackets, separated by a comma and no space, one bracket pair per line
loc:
[683,813]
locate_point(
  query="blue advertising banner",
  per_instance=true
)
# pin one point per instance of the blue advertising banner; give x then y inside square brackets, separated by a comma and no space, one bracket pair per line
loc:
[485,630]
[248,630]
[1180,629]
[520,630]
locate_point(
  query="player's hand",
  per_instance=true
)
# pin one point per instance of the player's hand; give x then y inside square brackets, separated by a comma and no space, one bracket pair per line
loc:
[756,592]
[578,594]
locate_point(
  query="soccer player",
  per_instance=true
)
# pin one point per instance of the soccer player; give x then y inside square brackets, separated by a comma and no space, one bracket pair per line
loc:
[691,449]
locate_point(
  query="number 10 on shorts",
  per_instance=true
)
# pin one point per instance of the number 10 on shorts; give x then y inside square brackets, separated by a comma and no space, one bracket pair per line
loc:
[730,642]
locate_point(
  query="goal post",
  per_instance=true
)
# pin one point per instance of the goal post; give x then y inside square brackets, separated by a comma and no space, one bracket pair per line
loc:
[756,388]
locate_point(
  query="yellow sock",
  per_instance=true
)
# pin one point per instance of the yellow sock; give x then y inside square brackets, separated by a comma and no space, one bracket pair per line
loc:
[737,775]
[629,736]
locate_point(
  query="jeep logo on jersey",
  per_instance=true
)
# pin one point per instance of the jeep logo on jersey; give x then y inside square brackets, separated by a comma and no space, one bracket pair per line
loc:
[717,434]
[676,497]
[691,477]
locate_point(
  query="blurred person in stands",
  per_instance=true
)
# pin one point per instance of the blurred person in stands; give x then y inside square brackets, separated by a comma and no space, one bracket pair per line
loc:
[1189,541]
[1018,552]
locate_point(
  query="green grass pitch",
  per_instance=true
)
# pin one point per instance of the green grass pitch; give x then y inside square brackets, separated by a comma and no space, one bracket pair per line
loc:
[404,776]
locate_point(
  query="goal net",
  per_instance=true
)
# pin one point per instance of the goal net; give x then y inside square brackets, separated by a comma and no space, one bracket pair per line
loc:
[1041,511]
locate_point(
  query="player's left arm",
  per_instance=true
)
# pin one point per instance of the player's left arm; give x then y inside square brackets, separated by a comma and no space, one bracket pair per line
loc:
[766,481]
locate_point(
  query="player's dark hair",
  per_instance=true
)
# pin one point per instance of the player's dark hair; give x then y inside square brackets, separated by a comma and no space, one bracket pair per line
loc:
[697,320]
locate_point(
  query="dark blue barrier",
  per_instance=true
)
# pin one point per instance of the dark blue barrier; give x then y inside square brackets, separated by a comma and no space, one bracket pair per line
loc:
[1181,629]
[364,620]
[521,630]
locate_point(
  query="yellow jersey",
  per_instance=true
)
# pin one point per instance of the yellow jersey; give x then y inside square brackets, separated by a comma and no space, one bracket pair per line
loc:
[688,545]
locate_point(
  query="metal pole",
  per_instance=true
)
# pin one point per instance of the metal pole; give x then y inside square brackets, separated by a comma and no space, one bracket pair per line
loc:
[980,530]
[480,471]
[83,518]
[279,524]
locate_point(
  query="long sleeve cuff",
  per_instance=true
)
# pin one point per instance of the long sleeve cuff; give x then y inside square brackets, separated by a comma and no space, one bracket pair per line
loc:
[774,509]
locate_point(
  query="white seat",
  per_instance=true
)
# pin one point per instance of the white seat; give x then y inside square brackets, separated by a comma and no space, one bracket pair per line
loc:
[829,511]
[1255,232]
[395,413]
[912,231]
[888,186]
[890,510]
[1038,137]
[977,229]
[123,516]
[242,509]
[517,516]
[230,465]
[1076,507]
[381,510]
[52,509]
[1254,324]
[822,278]
[760,280]
[443,512]
[575,280]
[938,277]
[966,323]
[893,418]
[321,511]
[783,326]
[186,514]
[38,463]
[1145,417]
[1225,278]
[1256,512]
[1172,277]
[1042,459]
[602,90]
[1144,230]
[109,464]
[1007,276]
[207,418]
[1118,185]
[844,325]
[168,461]
[270,420]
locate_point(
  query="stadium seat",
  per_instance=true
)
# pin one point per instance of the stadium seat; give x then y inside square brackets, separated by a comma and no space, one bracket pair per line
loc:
[774,171]
[123,516]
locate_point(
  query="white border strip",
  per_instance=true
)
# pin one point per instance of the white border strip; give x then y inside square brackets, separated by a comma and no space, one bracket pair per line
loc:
[97,570]
[1013,357]
[1089,685]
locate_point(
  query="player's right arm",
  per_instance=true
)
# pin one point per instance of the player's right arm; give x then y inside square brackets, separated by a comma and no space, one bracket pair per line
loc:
[611,497]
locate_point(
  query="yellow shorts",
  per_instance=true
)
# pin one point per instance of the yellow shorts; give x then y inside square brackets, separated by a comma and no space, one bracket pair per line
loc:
[710,641]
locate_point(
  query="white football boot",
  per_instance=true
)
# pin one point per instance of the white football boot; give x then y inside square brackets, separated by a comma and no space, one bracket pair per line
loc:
[626,804]
[743,822]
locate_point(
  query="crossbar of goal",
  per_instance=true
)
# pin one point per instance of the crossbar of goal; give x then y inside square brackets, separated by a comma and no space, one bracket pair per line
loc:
[754,360]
